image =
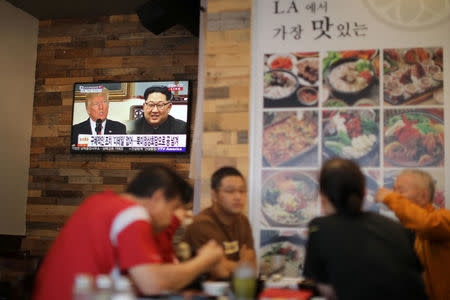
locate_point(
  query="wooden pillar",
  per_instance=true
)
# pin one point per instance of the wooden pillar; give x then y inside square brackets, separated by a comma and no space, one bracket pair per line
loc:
[227,89]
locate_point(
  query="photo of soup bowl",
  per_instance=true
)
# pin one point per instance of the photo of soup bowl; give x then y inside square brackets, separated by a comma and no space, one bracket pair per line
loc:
[289,198]
[347,81]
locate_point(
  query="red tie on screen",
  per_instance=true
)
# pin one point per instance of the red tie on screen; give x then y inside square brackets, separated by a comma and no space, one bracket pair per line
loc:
[98,126]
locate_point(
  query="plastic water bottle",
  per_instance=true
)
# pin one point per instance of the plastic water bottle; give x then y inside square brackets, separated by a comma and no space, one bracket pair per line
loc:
[104,286]
[123,289]
[83,288]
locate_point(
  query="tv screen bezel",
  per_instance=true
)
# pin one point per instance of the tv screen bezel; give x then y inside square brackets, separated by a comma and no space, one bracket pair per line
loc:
[126,150]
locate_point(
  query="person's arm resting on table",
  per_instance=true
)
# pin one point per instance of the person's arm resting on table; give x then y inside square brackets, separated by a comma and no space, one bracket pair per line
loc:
[156,278]
[225,267]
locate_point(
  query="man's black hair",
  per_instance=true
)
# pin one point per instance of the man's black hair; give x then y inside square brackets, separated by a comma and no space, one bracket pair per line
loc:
[158,89]
[157,177]
[218,175]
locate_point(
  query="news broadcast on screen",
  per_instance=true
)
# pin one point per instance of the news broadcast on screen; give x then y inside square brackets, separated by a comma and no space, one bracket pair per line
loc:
[150,117]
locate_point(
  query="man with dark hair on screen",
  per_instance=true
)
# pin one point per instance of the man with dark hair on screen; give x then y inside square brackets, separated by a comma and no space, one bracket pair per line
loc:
[126,233]
[156,119]
[97,106]
[224,222]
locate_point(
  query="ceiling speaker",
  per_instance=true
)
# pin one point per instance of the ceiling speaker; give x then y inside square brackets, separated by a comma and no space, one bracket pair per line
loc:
[159,15]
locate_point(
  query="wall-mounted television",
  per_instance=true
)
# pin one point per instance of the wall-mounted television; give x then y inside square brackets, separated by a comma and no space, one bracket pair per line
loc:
[118,117]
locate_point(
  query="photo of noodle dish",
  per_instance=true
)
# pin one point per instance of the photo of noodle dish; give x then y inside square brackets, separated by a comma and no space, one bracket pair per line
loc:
[289,198]
[413,138]
[352,134]
[288,136]
[413,76]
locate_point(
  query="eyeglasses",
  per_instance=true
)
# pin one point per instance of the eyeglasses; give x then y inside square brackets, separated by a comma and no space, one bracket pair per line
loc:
[159,105]
[232,191]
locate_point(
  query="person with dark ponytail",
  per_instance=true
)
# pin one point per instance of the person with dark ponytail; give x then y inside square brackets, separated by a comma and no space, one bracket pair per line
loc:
[353,254]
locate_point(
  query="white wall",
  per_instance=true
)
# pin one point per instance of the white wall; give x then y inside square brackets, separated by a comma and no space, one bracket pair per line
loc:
[18,48]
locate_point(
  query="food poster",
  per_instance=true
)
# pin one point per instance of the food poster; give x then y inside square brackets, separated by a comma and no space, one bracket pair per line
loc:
[282,252]
[289,198]
[352,134]
[351,78]
[360,80]
[413,76]
[290,138]
[413,138]
[291,79]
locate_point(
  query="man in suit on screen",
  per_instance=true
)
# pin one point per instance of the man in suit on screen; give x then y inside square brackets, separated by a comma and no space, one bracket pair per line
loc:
[97,105]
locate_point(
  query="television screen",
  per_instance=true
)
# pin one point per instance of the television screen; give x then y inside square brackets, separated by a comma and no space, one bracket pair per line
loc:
[150,116]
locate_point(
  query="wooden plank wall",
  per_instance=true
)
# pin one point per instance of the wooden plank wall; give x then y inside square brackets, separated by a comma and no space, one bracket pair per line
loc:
[227,89]
[106,48]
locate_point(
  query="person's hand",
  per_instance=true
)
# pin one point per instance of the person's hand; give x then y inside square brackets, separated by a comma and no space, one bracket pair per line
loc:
[211,252]
[246,254]
[381,194]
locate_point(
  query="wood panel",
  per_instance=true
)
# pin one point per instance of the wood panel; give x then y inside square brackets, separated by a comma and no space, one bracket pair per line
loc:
[227,89]
[69,51]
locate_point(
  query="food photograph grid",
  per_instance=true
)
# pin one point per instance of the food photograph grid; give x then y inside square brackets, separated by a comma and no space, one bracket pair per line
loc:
[382,108]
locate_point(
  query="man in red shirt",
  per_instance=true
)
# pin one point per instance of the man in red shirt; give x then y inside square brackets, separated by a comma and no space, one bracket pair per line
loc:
[121,234]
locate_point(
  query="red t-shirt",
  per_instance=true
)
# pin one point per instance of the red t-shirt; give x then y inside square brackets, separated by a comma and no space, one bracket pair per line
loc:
[108,234]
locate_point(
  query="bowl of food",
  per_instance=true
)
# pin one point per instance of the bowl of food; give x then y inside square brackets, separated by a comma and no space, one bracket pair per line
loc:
[350,78]
[438,76]
[281,61]
[283,256]
[307,96]
[334,102]
[432,69]
[425,83]
[352,135]
[289,198]
[413,139]
[365,102]
[279,84]
[215,288]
